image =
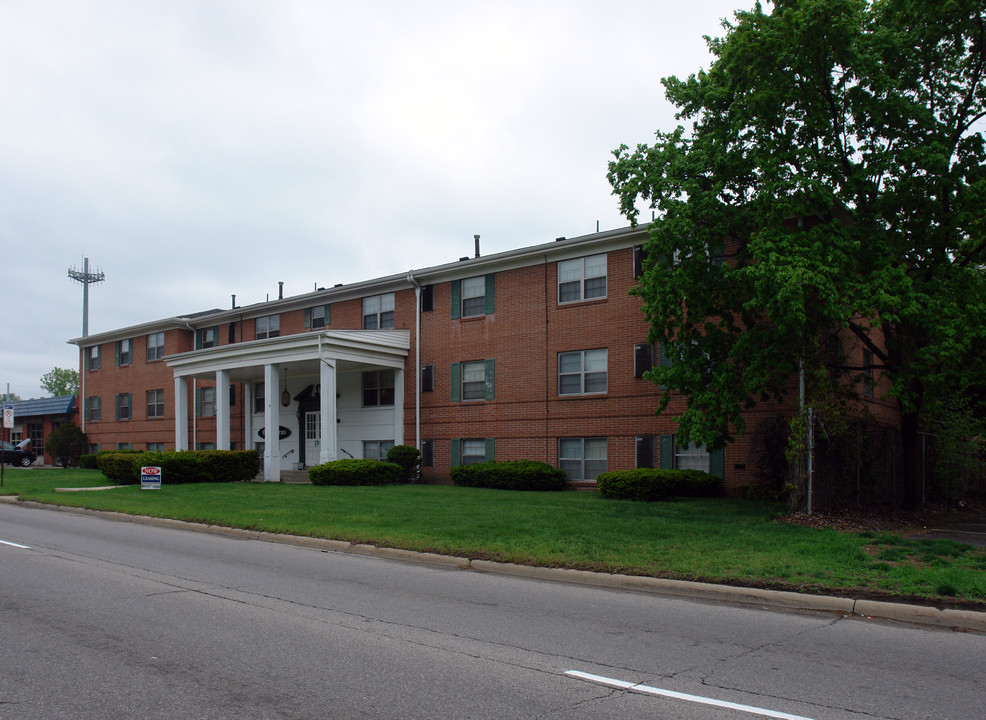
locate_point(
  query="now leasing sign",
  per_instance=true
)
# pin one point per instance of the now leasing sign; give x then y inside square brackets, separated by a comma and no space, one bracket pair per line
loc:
[150,478]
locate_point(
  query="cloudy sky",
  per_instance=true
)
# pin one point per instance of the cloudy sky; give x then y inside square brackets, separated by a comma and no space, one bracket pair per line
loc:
[195,149]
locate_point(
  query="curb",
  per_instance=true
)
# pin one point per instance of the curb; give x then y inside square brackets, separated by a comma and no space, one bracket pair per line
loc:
[970,620]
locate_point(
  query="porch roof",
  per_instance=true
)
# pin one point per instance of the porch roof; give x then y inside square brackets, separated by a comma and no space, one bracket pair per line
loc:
[387,348]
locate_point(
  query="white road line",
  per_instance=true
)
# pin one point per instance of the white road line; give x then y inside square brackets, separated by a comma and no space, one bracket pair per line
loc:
[13,544]
[682,696]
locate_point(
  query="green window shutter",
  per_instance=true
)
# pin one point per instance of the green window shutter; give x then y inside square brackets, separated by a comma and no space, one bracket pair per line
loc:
[198,339]
[456,385]
[198,402]
[717,463]
[116,415]
[328,314]
[667,452]
[456,453]
[490,283]
[308,317]
[489,450]
[489,378]
[456,298]
[116,348]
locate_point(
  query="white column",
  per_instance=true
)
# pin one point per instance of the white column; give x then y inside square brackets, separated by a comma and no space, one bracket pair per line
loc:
[222,409]
[247,416]
[272,436]
[399,406]
[181,413]
[327,405]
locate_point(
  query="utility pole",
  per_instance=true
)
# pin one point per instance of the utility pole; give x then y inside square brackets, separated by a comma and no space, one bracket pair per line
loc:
[86,278]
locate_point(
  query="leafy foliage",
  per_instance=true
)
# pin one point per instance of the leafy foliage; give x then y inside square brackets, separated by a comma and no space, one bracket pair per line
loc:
[356,472]
[650,484]
[182,466]
[66,443]
[60,382]
[510,475]
[836,160]
[408,457]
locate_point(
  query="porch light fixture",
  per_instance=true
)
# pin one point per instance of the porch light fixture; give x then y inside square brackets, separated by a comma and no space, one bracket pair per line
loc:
[285,395]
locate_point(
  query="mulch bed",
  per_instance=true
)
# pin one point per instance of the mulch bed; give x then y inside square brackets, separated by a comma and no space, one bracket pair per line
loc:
[895,520]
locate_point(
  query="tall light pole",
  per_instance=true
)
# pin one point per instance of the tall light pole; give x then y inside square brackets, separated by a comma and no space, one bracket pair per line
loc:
[86,278]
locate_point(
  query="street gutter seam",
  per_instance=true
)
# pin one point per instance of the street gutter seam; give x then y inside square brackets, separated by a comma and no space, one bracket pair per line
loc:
[971,620]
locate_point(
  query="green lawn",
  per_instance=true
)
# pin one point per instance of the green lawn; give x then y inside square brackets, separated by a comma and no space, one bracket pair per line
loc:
[731,541]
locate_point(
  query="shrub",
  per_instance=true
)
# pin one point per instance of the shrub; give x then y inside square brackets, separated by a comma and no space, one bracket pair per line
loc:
[356,472]
[510,475]
[650,484]
[87,461]
[122,468]
[408,457]
[181,466]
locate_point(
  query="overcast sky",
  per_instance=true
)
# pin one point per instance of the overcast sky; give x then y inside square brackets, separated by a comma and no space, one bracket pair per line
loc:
[196,149]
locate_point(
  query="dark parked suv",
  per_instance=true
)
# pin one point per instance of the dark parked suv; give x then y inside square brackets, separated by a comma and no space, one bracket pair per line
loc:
[13,455]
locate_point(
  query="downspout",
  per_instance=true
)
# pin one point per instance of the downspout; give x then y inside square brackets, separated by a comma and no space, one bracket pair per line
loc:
[417,359]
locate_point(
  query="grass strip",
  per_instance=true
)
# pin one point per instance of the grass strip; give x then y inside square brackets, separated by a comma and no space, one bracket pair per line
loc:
[713,540]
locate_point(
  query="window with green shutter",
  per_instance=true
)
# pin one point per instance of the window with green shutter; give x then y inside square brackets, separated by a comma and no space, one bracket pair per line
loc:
[473,296]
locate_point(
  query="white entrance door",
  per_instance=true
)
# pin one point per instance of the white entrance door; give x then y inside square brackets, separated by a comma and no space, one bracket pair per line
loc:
[313,437]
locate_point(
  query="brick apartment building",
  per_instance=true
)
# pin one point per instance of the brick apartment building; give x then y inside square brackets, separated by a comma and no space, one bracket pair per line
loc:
[535,353]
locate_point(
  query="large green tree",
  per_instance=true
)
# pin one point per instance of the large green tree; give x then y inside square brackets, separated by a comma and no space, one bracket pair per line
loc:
[836,154]
[60,382]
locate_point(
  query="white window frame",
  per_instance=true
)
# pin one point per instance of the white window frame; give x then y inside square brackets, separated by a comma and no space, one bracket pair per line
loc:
[580,457]
[268,326]
[582,274]
[379,387]
[378,312]
[155,405]
[588,368]
[207,401]
[472,451]
[94,358]
[318,317]
[125,351]
[472,375]
[376,449]
[155,346]
[692,456]
[473,300]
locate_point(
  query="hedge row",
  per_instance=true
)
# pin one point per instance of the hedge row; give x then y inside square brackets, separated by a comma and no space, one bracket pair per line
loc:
[510,475]
[651,484]
[182,466]
[357,472]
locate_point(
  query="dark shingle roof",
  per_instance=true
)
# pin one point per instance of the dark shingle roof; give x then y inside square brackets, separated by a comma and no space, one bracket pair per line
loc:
[44,406]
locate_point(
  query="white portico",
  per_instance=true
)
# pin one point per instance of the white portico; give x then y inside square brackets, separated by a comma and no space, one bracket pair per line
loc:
[307,395]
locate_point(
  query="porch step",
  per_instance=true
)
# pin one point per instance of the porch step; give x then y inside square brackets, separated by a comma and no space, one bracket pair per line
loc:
[296,477]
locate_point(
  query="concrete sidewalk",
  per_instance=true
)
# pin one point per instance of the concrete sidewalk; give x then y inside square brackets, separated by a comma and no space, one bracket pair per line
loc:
[969,620]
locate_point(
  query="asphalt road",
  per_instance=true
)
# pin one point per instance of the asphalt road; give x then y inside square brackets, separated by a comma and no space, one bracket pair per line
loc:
[104,619]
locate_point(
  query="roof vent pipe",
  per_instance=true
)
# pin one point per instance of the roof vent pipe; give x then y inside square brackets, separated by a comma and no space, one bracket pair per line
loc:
[234,301]
[476,238]
[280,290]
